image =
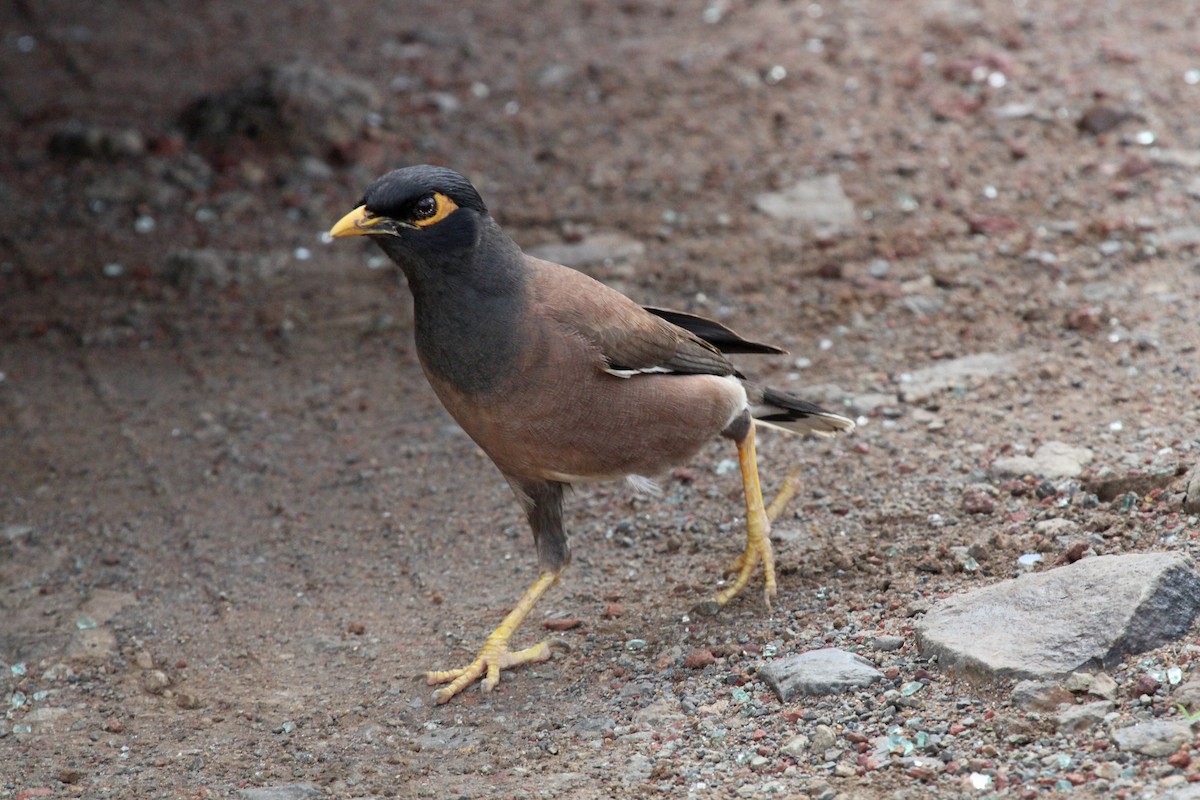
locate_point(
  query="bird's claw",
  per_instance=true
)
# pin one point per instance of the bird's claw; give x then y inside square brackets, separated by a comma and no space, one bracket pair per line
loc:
[493,657]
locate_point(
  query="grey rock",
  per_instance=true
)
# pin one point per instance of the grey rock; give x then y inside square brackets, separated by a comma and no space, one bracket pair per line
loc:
[1078,682]
[452,738]
[1188,694]
[1189,791]
[292,791]
[1071,719]
[1155,738]
[77,139]
[195,269]
[605,249]
[959,373]
[1052,623]
[868,403]
[637,769]
[1183,237]
[1103,685]
[796,746]
[818,672]
[298,107]
[1039,695]
[1191,492]
[823,739]
[1053,460]
[887,643]
[819,203]
[14,532]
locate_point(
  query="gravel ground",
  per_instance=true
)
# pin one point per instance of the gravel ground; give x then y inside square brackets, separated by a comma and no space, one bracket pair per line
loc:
[235,524]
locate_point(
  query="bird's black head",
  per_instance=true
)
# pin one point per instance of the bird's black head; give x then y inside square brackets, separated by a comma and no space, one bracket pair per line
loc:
[418,213]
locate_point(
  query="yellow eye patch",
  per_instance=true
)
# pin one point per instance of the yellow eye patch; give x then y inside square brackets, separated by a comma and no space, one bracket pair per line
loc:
[445,207]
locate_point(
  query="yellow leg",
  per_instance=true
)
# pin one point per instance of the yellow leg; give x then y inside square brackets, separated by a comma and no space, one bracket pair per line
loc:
[791,486]
[495,655]
[758,528]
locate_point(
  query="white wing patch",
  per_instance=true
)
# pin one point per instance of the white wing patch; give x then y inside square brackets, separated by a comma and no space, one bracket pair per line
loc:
[629,373]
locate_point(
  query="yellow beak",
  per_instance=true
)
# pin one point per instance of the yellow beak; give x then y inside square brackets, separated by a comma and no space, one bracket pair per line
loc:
[357,223]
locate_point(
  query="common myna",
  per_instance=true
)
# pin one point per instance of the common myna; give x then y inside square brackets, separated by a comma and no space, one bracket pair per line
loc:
[562,380]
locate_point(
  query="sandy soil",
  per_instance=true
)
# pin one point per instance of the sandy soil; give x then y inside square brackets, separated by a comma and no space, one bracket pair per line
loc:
[237,523]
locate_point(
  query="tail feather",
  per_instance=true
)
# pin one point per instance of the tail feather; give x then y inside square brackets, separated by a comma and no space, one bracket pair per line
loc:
[787,412]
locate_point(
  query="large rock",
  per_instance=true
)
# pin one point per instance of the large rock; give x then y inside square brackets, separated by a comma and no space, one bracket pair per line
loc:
[1053,460]
[826,671]
[959,373]
[299,107]
[1084,615]
[1191,496]
[819,203]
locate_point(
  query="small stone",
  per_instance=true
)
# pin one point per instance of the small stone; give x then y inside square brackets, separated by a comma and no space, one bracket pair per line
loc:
[699,658]
[975,501]
[819,203]
[957,374]
[143,660]
[1053,460]
[187,700]
[1072,719]
[1191,497]
[1103,685]
[113,726]
[818,672]
[294,791]
[598,249]
[1180,759]
[561,623]
[1077,682]
[70,775]
[796,747]
[887,644]
[823,739]
[155,681]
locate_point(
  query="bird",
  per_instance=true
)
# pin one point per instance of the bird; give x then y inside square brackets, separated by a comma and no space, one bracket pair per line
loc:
[562,380]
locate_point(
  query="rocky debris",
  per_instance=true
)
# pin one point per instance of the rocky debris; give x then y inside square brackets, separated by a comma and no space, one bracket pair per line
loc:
[1158,737]
[819,672]
[1053,460]
[1040,695]
[194,269]
[1052,623]
[300,108]
[1072,719]
[962,373]
[292,791]
[77,139]
[598,249]
[1191,492]
[817,203]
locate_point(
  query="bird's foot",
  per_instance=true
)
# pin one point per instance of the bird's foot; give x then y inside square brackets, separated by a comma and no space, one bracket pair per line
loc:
[758,549]
[493,657]
[758,526]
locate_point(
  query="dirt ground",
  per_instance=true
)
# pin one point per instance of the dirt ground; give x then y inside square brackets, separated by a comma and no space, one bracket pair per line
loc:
[237,524]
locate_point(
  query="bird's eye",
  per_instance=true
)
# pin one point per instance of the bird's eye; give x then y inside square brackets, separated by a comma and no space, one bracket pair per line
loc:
[426,207]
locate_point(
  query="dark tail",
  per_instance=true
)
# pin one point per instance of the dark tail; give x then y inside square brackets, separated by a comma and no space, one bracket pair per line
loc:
[782,410]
